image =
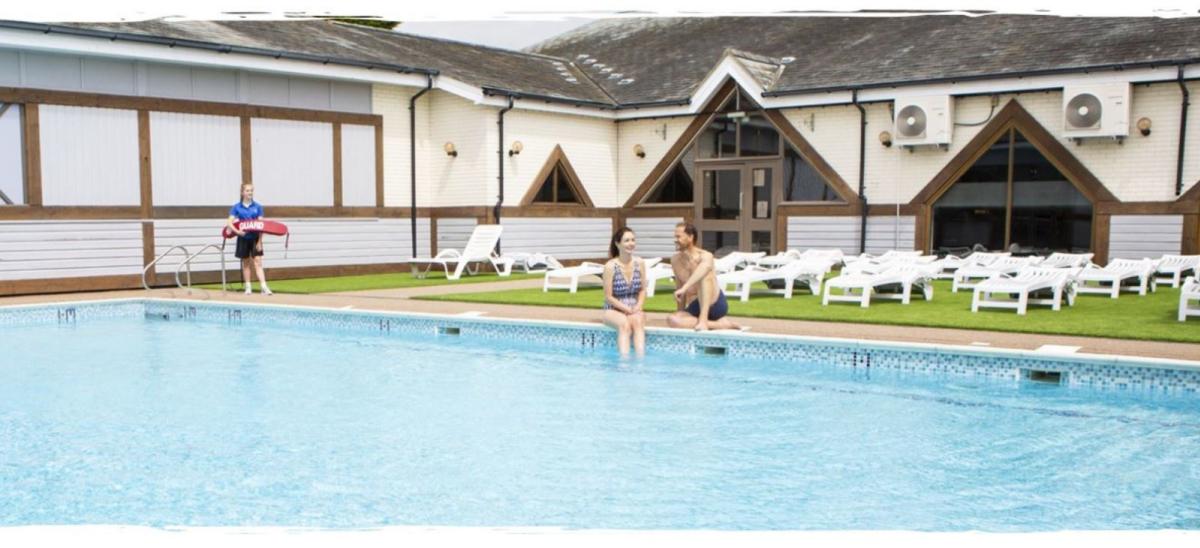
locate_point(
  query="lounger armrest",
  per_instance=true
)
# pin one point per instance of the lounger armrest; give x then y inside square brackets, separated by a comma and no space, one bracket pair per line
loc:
[448,254]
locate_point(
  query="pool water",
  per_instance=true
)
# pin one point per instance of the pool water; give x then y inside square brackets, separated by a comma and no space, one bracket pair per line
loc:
[127,421]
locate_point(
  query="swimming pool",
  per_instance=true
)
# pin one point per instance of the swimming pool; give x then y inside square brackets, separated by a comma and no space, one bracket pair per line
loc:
[177,413]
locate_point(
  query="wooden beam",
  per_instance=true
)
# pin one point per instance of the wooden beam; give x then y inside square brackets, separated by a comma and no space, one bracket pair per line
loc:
[32,136]
[379,166]
[337,165]
[186,106]
[247,153]
[144,171]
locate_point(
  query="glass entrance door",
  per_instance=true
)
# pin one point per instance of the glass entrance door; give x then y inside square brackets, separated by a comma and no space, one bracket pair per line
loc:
[736,207]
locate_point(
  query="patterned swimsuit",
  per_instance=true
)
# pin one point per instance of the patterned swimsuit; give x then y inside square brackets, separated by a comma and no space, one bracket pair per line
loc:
[625,291]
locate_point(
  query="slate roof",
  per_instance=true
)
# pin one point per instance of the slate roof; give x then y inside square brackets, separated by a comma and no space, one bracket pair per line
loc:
[481,66]
[665,59]
[637,61]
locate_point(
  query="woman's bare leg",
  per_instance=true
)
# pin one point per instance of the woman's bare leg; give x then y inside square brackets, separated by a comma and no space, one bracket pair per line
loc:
[246,275]
[638,326]
[258,271]
[620,322]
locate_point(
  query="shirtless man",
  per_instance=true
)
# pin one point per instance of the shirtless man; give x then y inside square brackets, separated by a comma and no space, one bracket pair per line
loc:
[700,304]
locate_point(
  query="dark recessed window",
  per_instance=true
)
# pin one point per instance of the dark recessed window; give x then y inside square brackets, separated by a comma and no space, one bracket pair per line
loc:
[802,182]
[557,188]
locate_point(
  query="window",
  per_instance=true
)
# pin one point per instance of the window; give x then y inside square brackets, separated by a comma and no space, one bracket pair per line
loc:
[559,185]
[738,131]
[678,186]
[802,183]
[12,165]
[1013,198]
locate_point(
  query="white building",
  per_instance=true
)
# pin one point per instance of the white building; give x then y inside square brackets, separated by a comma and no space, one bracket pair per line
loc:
[119,141]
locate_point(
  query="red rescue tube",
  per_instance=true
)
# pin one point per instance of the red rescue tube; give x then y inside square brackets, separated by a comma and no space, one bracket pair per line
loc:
[274,228]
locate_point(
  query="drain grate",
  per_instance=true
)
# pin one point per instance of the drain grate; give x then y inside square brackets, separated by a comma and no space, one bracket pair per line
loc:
[1044,376]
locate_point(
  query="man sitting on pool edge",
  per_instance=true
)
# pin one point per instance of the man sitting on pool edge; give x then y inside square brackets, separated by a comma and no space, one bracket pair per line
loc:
[699,301]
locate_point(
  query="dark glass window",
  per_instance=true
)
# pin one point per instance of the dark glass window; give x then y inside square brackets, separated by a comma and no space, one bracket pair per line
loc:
[1048,213]
[802,183]
[759,137]
[556,188]
[1039,212]
[677,187]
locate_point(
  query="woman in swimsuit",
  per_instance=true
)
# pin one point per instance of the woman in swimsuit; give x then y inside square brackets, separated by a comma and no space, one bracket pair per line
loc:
[624,294]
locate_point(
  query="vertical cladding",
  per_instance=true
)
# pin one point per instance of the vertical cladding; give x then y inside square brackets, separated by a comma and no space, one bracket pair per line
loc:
[358,165]
[656,136]
[589,144]
[292,162]
[89,156]
[196,159]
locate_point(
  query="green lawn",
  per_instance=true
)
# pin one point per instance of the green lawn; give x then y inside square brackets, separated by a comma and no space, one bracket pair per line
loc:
[1152,317]
[368,282]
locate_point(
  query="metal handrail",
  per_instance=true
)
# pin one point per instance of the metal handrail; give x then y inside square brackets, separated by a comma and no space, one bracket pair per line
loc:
[188,263]
[159,258]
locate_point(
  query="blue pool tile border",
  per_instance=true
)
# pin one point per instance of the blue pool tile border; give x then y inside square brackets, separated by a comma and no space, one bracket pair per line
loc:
[1103,372]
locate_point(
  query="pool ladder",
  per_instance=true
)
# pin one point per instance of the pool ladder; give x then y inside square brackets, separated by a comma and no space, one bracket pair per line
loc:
[186,263]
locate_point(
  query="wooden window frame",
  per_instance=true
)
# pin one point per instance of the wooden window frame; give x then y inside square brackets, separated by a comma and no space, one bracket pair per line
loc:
[556,160]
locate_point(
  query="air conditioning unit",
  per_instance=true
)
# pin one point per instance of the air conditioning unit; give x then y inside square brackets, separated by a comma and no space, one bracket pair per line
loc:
[1097,110]
[923,120]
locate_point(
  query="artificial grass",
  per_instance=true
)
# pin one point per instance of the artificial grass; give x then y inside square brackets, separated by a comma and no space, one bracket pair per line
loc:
[366,282]
[1152,317]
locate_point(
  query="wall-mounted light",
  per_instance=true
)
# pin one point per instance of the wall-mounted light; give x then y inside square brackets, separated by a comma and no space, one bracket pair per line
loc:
[450,150]
[1143,126]
[885,138]
[639,150]
[516,148]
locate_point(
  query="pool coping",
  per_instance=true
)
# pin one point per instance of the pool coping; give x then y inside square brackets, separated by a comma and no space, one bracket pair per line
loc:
[733,336]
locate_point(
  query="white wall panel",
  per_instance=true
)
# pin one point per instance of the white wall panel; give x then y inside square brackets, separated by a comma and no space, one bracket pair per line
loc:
[12,165]
[1139,236]
[68,249]
[454,233]
[195,159]
[886,233]
[842,232]
[89,156]
[292,162]
[358,165]
[314,242]
[561,238]
[824,233]
[655,235]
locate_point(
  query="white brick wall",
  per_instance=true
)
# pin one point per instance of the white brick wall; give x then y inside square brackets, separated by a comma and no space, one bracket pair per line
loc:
[1142,169]
[469,179]
[656,136]
[589,144]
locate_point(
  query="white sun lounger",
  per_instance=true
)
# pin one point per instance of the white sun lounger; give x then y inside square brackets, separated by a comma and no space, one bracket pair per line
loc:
[659,269]
[532,262]
[886,256]
[1171,268]
[1067,260]
[969,276]
[859,288]
[568,277]
[736,260]
[1116,272]
[808,272]
[875,266]
[950,263]
[1190,292]
[480,248]
[1022,285]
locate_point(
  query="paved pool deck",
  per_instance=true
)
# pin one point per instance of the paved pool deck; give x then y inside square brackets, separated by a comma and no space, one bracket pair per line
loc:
[401,300]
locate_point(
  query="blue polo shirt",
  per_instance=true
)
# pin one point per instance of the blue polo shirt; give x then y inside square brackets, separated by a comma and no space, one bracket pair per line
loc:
[246,213]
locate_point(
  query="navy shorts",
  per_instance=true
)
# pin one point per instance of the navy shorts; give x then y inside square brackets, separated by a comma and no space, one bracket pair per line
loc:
[717,311]
[247,247]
